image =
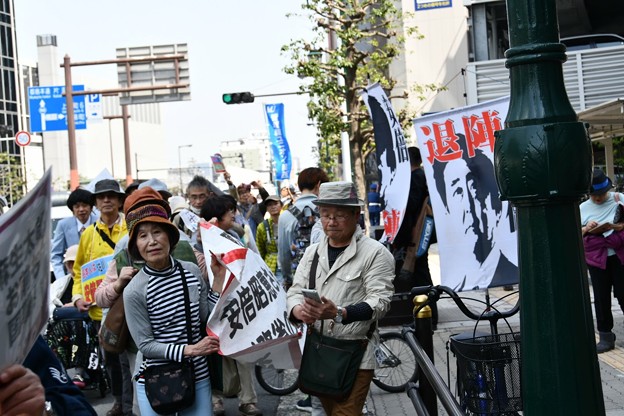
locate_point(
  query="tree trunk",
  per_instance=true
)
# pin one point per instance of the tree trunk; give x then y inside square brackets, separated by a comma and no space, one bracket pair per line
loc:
[360,178]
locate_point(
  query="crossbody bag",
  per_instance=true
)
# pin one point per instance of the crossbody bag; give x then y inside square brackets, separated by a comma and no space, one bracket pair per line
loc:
[170,387]
[329,365]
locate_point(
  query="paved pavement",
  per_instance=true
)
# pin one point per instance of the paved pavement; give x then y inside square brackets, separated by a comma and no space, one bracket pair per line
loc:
[451,321]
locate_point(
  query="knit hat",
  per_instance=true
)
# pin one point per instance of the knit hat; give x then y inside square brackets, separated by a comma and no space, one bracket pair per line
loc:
[147,205]
[79,195]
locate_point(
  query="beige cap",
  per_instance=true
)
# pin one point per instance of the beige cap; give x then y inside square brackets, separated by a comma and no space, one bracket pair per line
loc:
[70,254]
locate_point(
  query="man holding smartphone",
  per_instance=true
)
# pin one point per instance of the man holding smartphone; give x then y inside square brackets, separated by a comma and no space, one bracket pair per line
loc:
[353,277]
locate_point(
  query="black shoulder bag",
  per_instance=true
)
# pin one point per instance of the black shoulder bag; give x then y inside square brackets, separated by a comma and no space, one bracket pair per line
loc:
[329,365]
[170,388]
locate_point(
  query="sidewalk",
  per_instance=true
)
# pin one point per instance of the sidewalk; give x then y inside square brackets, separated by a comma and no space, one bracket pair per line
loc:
[453,321]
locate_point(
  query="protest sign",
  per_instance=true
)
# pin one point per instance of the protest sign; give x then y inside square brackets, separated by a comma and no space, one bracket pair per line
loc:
[92,275]
[217,163]
[476,231]
[190,219]
[24,272]
[250,317]
[392,158]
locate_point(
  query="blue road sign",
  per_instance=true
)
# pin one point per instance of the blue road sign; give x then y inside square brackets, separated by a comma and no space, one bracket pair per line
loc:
[48,111]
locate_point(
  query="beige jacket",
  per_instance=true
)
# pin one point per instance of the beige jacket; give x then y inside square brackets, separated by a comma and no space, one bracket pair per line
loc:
[362,273]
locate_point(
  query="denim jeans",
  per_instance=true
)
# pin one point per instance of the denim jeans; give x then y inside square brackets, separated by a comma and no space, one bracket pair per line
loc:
[201,407]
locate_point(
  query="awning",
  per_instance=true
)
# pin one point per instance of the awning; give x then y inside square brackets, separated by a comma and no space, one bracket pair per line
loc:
[606,120]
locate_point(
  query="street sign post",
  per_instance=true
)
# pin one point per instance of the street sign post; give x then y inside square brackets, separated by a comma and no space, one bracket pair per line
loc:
[48,111]
[93,107]
[22,138]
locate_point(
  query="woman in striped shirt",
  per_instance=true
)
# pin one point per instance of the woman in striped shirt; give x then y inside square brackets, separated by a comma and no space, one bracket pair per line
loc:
[155,304]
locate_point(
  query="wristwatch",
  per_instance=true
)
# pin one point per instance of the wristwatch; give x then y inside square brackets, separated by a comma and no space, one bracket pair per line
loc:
[339,313]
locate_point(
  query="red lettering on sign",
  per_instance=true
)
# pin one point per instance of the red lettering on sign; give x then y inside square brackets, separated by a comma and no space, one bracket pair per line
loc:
[479,130]
[443,147]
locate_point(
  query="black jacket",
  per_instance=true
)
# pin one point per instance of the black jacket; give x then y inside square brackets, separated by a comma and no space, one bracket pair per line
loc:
[66,398]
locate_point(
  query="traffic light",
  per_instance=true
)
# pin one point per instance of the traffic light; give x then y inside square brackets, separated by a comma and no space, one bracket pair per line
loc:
[238,97]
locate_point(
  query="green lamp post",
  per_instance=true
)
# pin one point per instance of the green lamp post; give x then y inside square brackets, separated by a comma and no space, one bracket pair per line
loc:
[543,162]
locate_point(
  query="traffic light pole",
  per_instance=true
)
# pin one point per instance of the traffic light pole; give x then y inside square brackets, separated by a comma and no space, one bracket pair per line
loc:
[543,166]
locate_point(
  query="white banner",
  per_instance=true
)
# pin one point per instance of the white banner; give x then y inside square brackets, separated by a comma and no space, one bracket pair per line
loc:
[250,317]
[476,230]
[392,158]
[24,272]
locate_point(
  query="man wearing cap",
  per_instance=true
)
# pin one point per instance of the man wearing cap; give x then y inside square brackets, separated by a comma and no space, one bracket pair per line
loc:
[353,275]
[266,236]
[604,253]
[97,241]
[68,230]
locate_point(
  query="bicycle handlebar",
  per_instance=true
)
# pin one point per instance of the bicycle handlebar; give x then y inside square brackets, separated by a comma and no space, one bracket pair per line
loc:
[433,294]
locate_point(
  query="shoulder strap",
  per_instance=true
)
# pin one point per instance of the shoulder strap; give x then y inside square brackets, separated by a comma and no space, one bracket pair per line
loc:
[296,212]
[616,196]
[268,230]
[187,304]
[312,278]
[106,238]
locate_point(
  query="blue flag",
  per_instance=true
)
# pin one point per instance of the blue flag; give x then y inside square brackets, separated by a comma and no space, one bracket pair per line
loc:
[279,144]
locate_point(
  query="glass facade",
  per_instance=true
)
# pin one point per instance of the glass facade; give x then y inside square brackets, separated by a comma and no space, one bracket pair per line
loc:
[9,114]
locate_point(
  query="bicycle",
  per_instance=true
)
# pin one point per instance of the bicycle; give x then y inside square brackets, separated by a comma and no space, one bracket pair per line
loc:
[396,367]
[487,377]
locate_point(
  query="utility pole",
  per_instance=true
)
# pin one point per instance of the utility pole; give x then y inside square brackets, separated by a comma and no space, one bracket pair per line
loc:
[543,166]
[74,179]
[71,124]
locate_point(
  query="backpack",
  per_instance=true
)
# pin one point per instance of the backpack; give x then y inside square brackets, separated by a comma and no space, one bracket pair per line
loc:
[306,219]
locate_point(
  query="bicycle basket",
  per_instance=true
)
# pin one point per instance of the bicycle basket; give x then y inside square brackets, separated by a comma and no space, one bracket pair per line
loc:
[488,373]
[73,341]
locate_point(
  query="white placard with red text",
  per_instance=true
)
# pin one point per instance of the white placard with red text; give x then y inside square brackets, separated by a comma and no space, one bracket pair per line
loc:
[250,317]
[476,231]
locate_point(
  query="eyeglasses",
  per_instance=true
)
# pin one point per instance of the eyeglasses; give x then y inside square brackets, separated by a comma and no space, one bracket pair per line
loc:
[199,197]
[337,218]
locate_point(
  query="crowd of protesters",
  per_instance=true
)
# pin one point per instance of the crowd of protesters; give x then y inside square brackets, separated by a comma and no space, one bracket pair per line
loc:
[155,250]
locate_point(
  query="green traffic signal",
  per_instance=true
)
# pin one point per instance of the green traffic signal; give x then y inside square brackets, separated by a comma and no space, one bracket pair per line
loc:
[238,97]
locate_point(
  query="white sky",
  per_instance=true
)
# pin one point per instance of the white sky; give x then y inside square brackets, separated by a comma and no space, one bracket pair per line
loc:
[234,45]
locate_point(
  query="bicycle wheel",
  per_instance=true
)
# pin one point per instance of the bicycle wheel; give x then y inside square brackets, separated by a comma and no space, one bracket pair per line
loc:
[277,382]
[398,366]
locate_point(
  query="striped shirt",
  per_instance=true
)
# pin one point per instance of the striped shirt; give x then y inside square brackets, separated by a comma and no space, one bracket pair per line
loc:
[167,316]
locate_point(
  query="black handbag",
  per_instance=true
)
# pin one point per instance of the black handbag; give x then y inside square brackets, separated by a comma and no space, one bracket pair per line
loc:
[329,366]
[170,388]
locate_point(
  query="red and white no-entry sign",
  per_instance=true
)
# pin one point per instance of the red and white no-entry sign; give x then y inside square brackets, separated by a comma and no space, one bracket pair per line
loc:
[22,138]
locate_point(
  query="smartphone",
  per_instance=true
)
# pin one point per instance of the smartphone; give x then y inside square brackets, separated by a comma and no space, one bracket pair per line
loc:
[311,294]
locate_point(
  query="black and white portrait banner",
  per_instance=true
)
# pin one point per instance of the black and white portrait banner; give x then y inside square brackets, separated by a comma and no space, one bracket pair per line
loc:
[476,230]
[392,159]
